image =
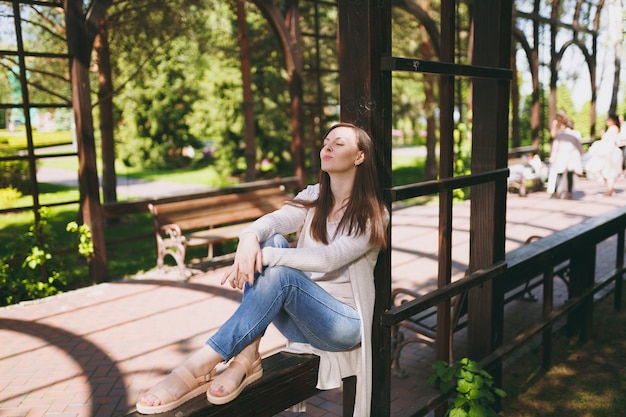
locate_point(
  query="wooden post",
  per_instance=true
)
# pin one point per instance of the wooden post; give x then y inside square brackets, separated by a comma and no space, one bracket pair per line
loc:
[492,48]
[365,100]
[582,277]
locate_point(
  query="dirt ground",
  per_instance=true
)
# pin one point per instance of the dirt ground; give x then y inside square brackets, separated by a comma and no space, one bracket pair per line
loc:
[586,380]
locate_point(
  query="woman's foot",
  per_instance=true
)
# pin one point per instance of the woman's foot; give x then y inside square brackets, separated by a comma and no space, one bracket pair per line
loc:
[241,372]
[185,382]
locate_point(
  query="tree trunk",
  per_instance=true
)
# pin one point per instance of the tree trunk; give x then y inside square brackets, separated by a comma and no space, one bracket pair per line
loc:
[617,37]
[105,104]
[80,42]
[515,122]
[296,91]
[248,101]
[288,32]
[430,103]
[535,120]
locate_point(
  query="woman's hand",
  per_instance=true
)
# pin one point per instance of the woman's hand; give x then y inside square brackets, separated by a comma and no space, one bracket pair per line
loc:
[248,261]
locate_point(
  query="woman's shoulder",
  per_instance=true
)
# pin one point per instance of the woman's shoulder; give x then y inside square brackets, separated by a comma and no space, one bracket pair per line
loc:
[311,192]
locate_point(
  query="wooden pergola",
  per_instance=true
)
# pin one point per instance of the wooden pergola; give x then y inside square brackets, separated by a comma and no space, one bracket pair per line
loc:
[366,69]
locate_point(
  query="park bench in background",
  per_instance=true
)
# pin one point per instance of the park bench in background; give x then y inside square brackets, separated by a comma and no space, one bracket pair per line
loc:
[209,220]
[527,170]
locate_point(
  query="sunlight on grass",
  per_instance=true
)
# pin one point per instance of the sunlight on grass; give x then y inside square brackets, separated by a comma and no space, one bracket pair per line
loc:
[17,140]
[207,176]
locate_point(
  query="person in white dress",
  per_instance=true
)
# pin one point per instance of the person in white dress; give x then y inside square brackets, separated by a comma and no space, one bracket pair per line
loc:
[606,158]
[566,158]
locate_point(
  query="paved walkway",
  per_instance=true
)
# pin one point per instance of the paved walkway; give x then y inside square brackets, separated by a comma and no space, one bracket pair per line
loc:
[92,351]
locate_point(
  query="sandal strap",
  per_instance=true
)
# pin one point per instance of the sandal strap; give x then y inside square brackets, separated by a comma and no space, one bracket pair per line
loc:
[189,379]
[248,366]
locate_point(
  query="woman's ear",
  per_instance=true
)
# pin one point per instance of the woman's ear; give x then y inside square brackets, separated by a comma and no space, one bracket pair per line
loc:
[359,159]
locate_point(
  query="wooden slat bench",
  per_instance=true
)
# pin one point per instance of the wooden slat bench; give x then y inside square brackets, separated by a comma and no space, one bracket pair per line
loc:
[288,379]
[206,221]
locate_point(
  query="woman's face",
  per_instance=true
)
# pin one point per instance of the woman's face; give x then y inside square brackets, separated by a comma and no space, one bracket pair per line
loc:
[340,152]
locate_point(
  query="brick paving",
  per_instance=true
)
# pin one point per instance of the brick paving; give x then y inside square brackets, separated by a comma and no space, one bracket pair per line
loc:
[90,352]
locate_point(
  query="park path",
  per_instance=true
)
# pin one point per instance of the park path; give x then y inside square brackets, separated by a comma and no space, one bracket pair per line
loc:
[90,352]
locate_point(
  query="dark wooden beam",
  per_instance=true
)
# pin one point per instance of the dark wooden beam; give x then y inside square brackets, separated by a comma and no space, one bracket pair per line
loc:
[365,100]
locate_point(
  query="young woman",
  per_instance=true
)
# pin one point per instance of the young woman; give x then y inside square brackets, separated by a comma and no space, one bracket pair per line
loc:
[320,295]
[566,158]
[605,161]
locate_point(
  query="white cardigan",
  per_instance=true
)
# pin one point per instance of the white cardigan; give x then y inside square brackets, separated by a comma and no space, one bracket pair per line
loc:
[361,257]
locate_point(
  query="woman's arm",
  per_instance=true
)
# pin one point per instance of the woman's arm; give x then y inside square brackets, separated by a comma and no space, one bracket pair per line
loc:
[342,251]
[248,257]
[288,219]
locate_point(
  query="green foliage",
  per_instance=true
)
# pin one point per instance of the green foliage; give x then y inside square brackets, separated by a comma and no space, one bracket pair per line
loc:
[156,110]
[8,196]
[13,174]
[85,244]
[30,271]
[476,391]
[463,155]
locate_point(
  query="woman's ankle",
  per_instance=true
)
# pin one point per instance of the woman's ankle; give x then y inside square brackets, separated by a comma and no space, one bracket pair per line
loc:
[203,361]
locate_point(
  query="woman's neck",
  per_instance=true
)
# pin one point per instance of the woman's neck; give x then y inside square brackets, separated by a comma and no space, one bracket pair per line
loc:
[341,187]
[341,191]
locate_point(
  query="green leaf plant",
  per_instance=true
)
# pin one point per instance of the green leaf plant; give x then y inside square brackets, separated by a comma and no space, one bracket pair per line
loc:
[476,393]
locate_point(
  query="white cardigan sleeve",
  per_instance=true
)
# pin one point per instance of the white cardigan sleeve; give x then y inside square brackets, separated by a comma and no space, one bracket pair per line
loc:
[285,220]
[342,251]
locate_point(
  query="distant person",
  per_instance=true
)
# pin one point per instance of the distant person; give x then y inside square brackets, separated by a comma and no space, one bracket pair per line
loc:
[558,124]
[621,140]
[566,158]
[606,158]
[320,295]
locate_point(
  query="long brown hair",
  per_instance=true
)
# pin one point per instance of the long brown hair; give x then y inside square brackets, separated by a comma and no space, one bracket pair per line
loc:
[364,209]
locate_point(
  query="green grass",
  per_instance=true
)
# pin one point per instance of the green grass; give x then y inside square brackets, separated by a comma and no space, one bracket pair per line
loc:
[17,140]
[407,169]
[586,378]
[202,176]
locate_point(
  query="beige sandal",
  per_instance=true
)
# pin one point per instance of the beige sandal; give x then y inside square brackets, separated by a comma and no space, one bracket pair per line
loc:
[254,372]
[196,386]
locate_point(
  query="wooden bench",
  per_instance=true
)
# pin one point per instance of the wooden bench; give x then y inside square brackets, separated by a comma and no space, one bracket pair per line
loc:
[288,379]
[422,328]
[526,170]
[210,220]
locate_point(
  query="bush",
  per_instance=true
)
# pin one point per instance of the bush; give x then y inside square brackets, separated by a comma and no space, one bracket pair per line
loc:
[13,173]
[475,388]
[8,196]
[30,271]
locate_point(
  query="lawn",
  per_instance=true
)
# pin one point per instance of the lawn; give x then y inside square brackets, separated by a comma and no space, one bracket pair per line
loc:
[17,140]
[586,380]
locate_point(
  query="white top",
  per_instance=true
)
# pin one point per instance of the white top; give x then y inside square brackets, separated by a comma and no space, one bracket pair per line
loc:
[566,153]
[346,259]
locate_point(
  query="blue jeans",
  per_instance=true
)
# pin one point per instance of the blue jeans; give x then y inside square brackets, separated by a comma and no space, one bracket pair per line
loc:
[300,309]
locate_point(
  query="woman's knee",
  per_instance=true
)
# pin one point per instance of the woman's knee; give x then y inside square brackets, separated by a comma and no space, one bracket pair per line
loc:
[276,241]
[276,273]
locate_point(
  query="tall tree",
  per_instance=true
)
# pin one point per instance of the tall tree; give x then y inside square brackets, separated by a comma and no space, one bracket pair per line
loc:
[248,101]
[105,104]
[81,31]
[288,31]
[616,34]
